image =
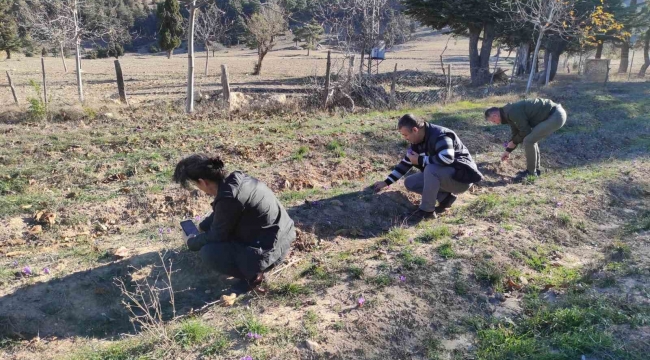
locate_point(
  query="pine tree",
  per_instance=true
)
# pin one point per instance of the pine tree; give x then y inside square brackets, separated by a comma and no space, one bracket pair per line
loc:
[171,26]
[311,34]
[9,40]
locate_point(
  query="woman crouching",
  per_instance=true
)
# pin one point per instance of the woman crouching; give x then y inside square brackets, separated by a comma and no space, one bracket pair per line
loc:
[249,231]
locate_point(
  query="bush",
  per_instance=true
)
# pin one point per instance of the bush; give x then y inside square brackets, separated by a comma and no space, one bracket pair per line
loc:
[102,53]
[154,49]
[43,52]
[91,55]
[29,54]
[115,50]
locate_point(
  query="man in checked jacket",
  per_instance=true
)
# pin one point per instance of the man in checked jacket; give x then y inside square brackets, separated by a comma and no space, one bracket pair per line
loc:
[447,168]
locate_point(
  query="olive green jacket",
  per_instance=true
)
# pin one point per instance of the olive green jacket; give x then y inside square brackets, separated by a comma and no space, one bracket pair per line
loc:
[524,115]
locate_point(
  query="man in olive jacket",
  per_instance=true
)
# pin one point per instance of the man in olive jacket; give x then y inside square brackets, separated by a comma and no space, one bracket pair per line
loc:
[531,121]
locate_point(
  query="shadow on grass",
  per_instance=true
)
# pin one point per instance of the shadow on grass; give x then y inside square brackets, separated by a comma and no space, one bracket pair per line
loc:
[88,303]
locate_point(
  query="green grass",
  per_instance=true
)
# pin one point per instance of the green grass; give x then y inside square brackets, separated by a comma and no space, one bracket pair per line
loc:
[434,234]
[192,332]
[396,236]
[489,272]
[310,321]
[639,224]
[564,219]
[218,346]
[120,350]
[336,147]
[250,324]
[380,280]
[411,261]
[292,290]
[578,325]
[300,153]
[494,207]
[446,250]
[355,271]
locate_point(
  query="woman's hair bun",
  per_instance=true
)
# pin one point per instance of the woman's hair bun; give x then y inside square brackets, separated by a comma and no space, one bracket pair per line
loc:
[216,163]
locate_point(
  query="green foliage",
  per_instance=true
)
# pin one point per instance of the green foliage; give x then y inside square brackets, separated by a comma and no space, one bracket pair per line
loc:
[576,326]
[489,272]
[9,40]
[37,109]
[310,33]
[446,250]
[434,234]
[192,332]
[218,346]
[170,23]
[154,49]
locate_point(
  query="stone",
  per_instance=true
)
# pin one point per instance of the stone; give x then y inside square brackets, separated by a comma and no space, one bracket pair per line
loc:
[311,345]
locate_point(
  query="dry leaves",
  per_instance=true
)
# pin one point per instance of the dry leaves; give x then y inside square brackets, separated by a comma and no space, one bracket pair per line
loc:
[45,217]
[36,229]
[121,253]
[115,177]
[229,300]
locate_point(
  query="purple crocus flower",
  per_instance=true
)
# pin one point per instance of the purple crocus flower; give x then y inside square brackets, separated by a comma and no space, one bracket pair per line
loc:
[46,270]
[252,335]
[197,218]
[247,357]
[15,263]
[505,144]
[361,301]
[402,278]
[559,203]
[169,230]
[27,270]
[160,230]
[411,241]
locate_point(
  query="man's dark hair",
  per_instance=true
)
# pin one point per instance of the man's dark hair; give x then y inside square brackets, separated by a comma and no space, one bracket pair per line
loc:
[199,166]
[409,121]
[490,111]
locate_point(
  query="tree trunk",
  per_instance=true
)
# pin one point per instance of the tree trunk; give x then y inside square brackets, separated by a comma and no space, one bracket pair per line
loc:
[308,52]
[535,53]
[8,54]
[207,56]
[555,61]
[169,54]
[522,59]
[260,58]
[646,55]
[77,58]
[474,57]
[547,54]
[189,100]
[65,67]
[599,50]
[625,57]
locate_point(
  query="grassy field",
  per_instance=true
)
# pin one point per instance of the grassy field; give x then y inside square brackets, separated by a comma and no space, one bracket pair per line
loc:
[151,78]
[553,269]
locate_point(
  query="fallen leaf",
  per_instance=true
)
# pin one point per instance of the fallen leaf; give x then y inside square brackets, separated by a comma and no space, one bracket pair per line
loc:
[229,300]
[16,253]
[25,207]
[36,229]
[125,190]
[512,285]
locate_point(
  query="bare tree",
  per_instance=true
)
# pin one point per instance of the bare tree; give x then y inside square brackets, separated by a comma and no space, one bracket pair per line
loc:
[211,27]
[61,19]
[263,28]
[546,16]
[51,22]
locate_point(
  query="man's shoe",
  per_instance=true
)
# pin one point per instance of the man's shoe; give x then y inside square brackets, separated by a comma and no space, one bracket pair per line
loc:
[446,203]
[421,215]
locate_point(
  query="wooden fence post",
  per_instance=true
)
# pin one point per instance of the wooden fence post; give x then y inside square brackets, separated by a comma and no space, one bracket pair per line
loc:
[393,93]
[13,90]
[548,71]
[120,82]
[327,79]
[44,83]
[225,85]
[449,82]
[631,64]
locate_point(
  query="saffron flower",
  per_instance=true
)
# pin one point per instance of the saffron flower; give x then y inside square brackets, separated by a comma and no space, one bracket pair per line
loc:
[361,301]
[247,357]
[402,278]
[46,270]
[27,270]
